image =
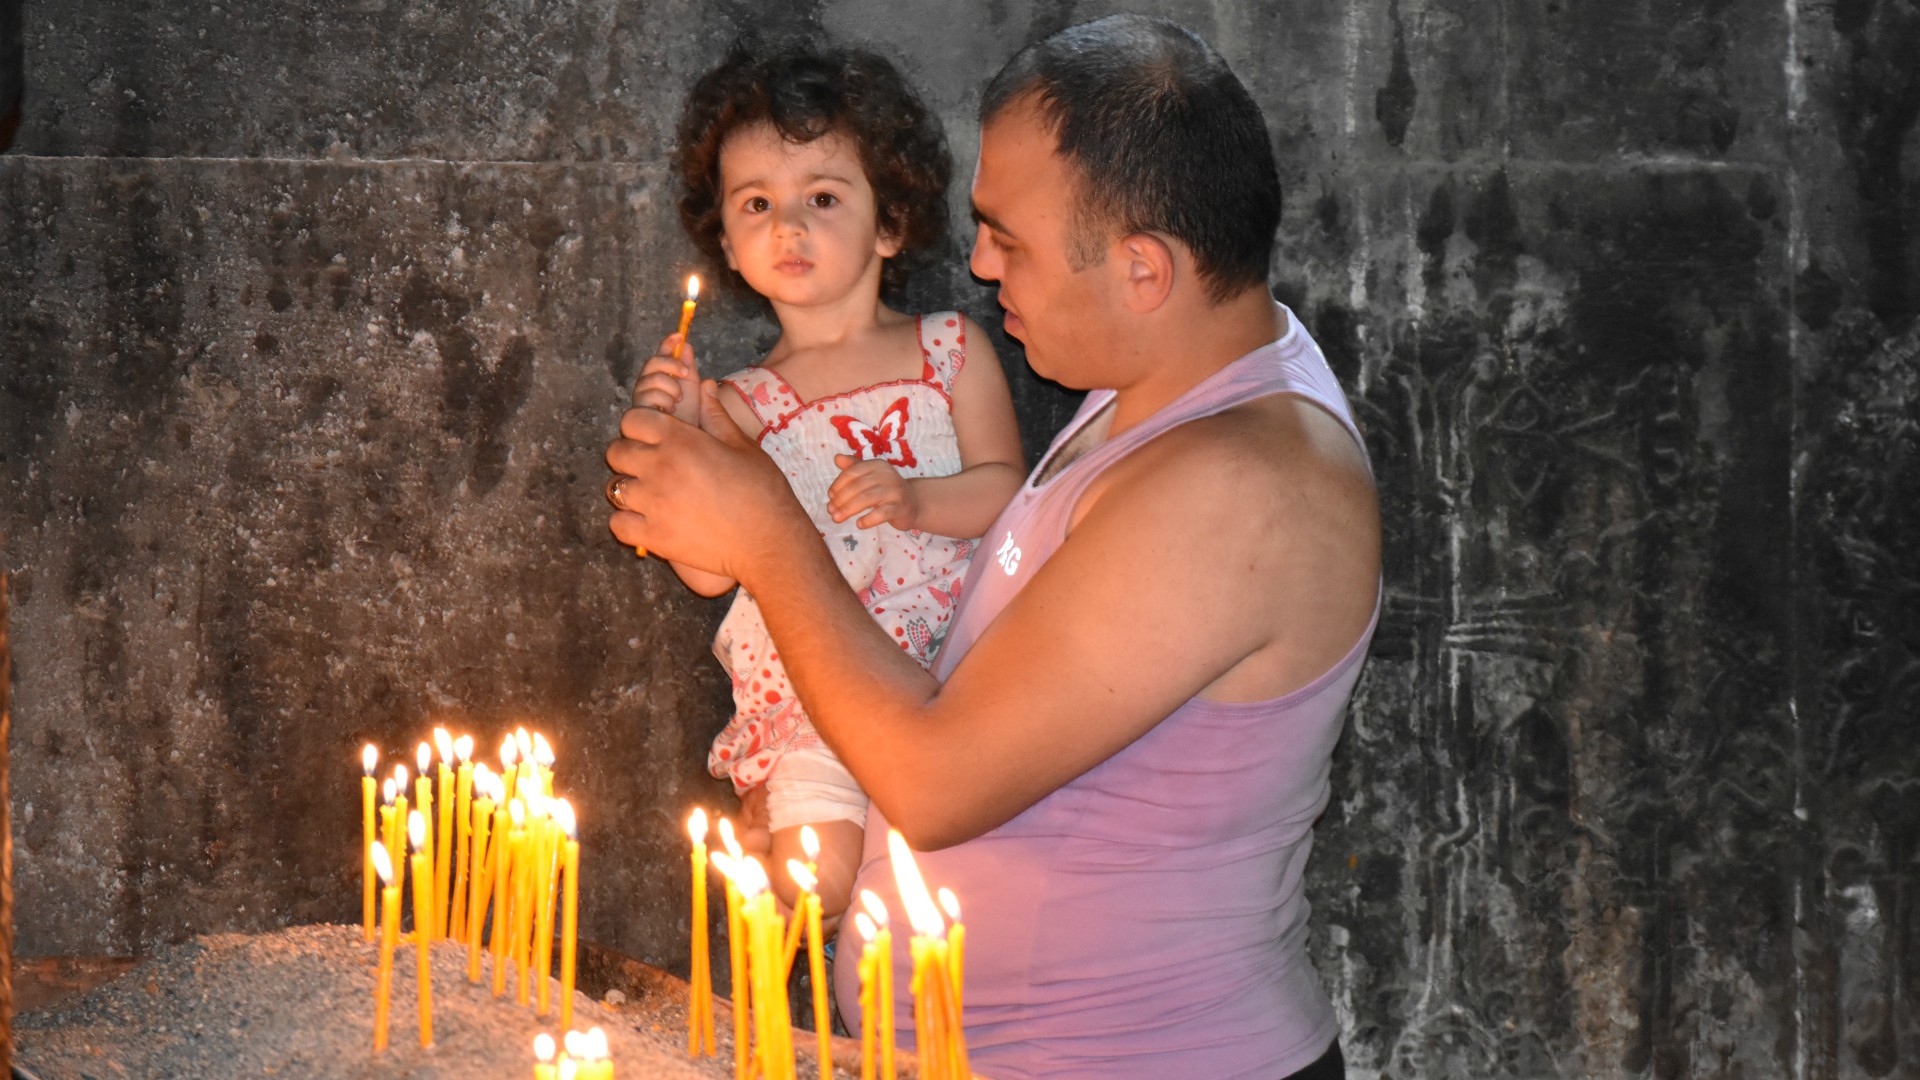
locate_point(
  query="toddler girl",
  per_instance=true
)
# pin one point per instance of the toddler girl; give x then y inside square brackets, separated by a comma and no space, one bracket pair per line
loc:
[815,175]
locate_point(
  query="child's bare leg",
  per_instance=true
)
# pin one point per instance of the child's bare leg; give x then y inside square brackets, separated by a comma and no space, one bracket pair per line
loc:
[838,863]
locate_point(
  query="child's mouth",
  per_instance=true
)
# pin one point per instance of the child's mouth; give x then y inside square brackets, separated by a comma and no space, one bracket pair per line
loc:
[793,266]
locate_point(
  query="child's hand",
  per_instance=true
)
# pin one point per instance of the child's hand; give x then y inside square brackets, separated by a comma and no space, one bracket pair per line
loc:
[876,488]
[669,385]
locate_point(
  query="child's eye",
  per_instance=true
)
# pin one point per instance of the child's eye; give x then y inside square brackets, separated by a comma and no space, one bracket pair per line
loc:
[823,199]
[758,205]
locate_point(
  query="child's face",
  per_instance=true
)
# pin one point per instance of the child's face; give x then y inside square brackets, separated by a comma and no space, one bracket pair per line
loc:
[799,218]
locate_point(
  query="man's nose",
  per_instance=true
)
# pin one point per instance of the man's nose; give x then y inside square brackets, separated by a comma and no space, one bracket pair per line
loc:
[982,263]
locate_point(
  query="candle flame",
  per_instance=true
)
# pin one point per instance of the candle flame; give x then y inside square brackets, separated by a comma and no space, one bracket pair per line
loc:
[509,752]
[693,286]
[518,815]
[444,743]
[810,843]
[537,804]
[576,1044]
[382,865]
[542,750]
[496,787]
[569,1070]
[543,1047]
[424,756]
[386,791]
[950,903]
[697,825]
[482,779]
[368,758]
[463,748]
[563,817]
[417,829]
[921,914]
[752,878]
[400,777]
[727,839]
[874,905]
[865,925]
[723,863]
[521,740]
[596,1042]
[801,876]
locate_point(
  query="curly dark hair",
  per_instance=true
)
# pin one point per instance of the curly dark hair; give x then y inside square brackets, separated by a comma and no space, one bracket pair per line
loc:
[806,91]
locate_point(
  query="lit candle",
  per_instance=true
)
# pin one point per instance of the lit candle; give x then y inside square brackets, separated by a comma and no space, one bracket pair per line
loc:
[524,743]
[476,905]
[423,921]
[942,1052]
[368,791]
[543,763]
[546,833]
[543,1051]
[600,1063]
[816,962]
[423,795]
[504,887]
[522,930]
[768,977]
[700,995]
[570,911]
[956,946]
[397,839]
[882,979]
[510,764]
[686,313]
[736,948]
[389,935]
[868,1015]
[463,834]
[443,838]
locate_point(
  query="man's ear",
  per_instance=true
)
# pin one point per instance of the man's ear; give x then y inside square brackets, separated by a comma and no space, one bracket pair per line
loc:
[1149,265]
[726,247]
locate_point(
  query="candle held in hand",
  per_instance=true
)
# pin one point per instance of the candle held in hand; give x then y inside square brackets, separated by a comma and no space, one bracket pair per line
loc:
[686,313]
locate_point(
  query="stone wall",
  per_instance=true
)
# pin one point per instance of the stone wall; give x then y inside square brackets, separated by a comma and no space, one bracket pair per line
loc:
[315,320]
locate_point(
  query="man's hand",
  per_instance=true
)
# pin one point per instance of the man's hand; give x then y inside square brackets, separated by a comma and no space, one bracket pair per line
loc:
[704,495]
[876,488]
[669,385]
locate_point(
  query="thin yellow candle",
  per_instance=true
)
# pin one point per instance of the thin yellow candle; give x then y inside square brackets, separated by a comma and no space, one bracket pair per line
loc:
[570,911]
[930,980]
[956,962]
[522,930]
[476,905]
[868,1017]
[462,837]
[510,764]
[423,796]
[423,920]
[883,978]
[686,313]
[369,792]
[543,1051]
[762,958]
[389,936]
[736,954]
[397,839]
[443,838]
[600,1062]
[700,997]
[816,962]
[546,849]
[509,845]
[524,743]
[925,1040]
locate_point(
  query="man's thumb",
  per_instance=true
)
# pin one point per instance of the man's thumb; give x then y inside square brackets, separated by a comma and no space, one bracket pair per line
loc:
[715,419]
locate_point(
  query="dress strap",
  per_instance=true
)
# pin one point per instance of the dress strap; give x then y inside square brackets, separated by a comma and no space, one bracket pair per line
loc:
[765,392]
[943,349]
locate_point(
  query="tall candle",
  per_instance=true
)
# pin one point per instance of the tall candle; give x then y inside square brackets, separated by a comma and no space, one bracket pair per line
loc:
[368,793]
[389,935]
[543,763]
[956,960]
[570,917]
[443,838]
[476,905]
[545,848]
[399,834]
[700,999]
[883,978]
[463,836]
[868,1016]
[508,845]
[736,956]
[686,313]
[522,930]
[510,764]
[423,920]
[816,962]
[423,795]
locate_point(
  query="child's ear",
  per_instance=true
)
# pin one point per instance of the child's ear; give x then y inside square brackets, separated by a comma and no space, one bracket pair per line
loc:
[726,247]
[886,245]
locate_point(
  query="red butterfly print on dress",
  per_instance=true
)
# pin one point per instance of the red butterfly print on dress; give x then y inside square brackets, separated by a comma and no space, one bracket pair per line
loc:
[887,443]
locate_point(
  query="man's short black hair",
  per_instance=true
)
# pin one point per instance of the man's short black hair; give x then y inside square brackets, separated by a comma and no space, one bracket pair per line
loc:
[1164,138]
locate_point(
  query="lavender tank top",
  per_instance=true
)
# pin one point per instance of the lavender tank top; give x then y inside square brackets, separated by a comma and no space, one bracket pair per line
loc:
[1146,919]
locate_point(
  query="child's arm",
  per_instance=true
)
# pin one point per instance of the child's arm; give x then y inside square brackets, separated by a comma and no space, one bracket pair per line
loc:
[961,505]
[673,386]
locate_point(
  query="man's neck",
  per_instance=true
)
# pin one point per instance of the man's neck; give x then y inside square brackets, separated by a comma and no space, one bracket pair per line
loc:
[1189,344]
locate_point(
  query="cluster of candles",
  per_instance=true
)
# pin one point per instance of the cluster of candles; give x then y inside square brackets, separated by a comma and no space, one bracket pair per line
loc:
[582,1056]
[504,844]
[762,944]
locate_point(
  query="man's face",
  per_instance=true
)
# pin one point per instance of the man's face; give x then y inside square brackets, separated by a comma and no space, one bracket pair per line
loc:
[1024,197]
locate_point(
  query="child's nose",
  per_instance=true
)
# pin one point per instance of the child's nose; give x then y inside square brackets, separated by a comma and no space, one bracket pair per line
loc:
[790,219]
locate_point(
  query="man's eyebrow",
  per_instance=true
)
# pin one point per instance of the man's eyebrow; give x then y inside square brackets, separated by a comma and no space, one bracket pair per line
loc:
[981,217]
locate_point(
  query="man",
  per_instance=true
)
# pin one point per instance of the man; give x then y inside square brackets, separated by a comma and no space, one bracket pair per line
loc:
[1118,760]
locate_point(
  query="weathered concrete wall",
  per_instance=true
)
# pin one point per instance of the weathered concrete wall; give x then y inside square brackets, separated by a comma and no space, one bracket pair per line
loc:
[314,321]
